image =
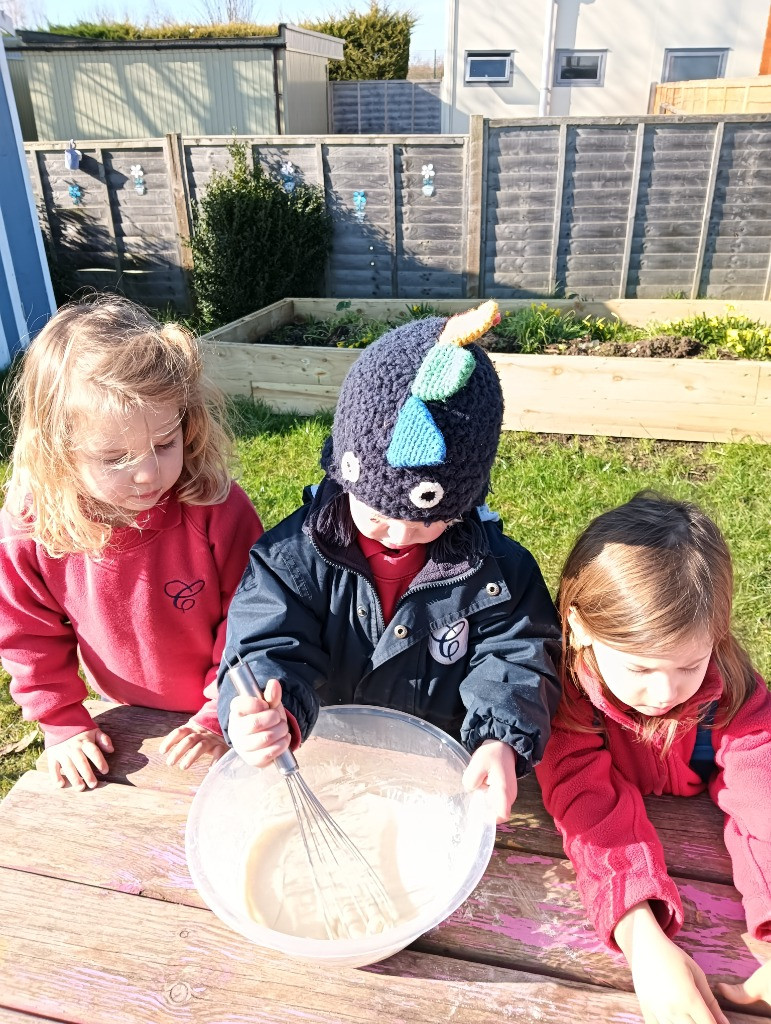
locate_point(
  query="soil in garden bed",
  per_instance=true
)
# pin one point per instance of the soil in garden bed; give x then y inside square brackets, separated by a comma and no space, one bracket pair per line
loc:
[545,329]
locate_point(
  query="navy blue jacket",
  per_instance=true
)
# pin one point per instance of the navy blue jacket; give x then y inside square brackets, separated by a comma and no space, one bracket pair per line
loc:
[472,646]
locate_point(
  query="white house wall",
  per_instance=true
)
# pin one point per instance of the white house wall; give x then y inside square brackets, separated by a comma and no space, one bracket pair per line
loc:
[634,32]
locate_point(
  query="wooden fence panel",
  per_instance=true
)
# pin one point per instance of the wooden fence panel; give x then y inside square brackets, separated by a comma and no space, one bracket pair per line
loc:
[145,227]
[598,189]
[597,208]
[522,191]
[429,264]
[380,106]
[738,257]
[361,262]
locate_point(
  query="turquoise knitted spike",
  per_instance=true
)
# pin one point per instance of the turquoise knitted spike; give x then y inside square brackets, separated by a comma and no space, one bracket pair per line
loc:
[416,440]
[445,370]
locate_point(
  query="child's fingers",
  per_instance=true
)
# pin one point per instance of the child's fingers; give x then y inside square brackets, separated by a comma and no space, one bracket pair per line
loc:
[55,771]
[261,722]
[475,775]
[243,705]
[104,742]
[72,775]
[498,794]
[168,741]
[267,755]
[183,742]
[82,760]
[272,693]
[191,756]
[743,993]
[91,752]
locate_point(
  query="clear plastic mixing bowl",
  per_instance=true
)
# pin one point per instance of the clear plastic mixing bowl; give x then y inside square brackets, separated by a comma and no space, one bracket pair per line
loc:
[413,759]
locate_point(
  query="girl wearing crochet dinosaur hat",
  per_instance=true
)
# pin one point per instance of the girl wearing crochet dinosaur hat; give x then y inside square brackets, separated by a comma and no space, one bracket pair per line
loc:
[393,585]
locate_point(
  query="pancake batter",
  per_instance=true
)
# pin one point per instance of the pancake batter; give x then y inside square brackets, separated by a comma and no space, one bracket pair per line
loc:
[396,826]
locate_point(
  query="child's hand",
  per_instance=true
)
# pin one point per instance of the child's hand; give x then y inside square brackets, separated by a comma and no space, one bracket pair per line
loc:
[257,726]
[71,760]
[185,744]
[756,989]
[494,765]
[671,987]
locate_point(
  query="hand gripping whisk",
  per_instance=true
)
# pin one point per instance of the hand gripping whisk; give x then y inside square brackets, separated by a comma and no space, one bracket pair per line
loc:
[352,898]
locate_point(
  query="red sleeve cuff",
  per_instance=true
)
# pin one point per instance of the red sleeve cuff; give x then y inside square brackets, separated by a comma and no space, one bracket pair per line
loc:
[208,720]
[64,723]
[294,731]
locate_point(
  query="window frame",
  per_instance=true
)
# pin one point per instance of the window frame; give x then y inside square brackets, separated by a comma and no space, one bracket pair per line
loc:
[507,55]
[693,51]
[593,83]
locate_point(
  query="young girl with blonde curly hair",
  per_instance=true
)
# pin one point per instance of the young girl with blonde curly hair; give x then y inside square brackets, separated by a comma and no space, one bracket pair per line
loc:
[659,697]
[123,536]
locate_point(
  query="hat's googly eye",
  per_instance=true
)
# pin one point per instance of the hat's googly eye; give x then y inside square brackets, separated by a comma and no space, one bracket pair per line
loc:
[349,467]
[426,494]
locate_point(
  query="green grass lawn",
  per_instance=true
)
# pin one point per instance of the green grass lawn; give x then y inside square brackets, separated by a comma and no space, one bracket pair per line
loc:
[546,488]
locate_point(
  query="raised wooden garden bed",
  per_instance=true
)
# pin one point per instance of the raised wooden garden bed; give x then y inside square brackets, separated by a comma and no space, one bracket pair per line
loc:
[680,399]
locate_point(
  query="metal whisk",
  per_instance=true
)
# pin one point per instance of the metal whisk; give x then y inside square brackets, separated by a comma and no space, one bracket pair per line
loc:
[353,899]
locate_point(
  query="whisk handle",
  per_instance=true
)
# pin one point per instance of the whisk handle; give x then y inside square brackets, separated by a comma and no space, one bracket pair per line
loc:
[246,683]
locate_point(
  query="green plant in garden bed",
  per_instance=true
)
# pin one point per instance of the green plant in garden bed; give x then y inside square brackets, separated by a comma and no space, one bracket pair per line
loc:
[543,328]
[732,335]
[546,488]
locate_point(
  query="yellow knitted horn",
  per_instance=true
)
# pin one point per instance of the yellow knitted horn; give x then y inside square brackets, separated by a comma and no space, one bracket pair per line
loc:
[466,327]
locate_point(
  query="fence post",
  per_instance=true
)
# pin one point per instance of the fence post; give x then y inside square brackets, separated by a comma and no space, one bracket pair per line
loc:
[475,190]
[110,217]
[174,157]
[391,153]
[562,149]
[717,144]
[631,216]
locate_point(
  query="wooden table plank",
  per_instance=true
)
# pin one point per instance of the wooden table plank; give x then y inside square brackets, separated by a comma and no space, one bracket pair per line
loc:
[117,837]
[525,912]
[112,958]
[8,1016]
[689,839]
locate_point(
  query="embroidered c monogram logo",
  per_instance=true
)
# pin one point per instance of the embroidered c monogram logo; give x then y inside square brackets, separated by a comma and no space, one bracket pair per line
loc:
[450,643]
[183,594]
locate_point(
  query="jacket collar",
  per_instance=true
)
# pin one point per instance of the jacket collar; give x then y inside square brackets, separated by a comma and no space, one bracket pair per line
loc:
[458,563]
[710,690]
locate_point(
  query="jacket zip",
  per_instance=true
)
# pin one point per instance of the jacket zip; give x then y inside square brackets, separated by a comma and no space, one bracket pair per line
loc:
[408,593]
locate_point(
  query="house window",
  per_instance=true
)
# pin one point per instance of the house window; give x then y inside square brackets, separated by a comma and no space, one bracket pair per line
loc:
[580,67]
[688,65]
[488,67]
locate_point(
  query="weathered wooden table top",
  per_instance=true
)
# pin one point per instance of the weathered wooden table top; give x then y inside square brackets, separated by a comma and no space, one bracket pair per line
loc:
[100,923]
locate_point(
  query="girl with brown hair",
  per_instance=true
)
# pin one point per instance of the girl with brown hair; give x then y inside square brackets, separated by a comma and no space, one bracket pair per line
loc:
[659,697]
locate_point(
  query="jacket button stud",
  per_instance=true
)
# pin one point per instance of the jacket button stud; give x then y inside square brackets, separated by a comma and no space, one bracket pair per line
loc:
[493,589]
[361,612]
[401,632]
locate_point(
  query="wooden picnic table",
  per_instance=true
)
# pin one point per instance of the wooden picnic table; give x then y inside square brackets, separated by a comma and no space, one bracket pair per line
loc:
[100,922]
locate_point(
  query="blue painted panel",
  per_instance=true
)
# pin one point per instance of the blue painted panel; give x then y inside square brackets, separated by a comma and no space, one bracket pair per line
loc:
[26,298]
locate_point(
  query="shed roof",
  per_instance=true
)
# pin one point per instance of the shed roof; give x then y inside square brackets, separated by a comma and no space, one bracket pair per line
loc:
[289,37]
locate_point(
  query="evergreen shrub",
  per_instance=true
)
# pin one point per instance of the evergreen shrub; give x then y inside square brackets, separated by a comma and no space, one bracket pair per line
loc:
[253,243]
[377,43]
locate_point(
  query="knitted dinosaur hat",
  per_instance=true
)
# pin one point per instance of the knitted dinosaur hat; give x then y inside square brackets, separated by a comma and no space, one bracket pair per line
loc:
[418,419]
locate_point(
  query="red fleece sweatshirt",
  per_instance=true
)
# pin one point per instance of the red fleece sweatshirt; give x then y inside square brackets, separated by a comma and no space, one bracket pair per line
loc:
[146,621]
[593,785]
[392,571]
